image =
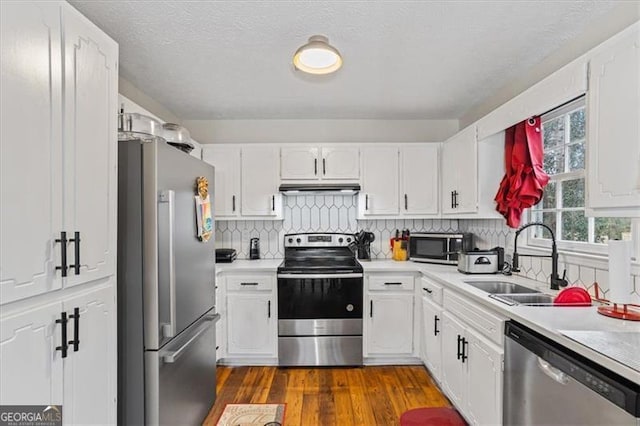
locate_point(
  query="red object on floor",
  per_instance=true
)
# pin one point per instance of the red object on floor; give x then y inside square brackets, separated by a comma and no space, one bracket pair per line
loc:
[431,416]
[524,180]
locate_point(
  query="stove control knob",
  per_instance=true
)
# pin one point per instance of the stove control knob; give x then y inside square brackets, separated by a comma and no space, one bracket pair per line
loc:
[348,240]
[290,240]
[340,240]
[298,240]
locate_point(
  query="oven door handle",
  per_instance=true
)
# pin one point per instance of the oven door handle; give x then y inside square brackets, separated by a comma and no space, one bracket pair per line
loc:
[315,276]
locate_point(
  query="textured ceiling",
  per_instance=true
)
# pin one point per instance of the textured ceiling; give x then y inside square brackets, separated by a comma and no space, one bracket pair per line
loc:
[402,59]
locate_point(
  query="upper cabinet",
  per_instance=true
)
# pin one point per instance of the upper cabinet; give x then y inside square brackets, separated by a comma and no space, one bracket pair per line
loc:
[613,138]
[380,181]
[259,182]
[460,173]
[58,133]
[320,163]
[419,170]
[226,160]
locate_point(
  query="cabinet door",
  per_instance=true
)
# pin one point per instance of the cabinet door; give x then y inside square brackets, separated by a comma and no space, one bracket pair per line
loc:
[300,162]
[90,146]
[613,138]
[251,324]
[30,149]
[462,158]
[448,176]
[340,162]
[484,395]
[431,336]
[226,161]
[380,180]
[390,324]
[30,365]
[90,372]
[454,372]
[419,172]
[260,181]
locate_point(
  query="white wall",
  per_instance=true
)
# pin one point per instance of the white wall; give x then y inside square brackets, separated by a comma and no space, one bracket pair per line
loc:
[314,131]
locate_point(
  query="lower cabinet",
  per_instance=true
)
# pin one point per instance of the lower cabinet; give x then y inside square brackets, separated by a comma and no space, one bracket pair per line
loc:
[432,337]
[47,361]
[249,314]
[471,372]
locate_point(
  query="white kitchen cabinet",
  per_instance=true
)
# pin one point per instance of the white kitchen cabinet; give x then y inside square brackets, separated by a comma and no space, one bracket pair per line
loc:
[320,163]
[32,368]
[31,169]
[390,324]
[454,380]
[90,146]
[613,127]
[380,181]
[419,170]
[251,324]
[460,173]
[484,380]
[260,197]
[226,160]
[432,337]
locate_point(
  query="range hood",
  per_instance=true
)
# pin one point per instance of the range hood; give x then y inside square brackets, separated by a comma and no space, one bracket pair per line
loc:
[319,188]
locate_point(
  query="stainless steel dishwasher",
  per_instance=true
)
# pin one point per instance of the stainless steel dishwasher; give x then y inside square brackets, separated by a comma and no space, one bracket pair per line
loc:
[548,384]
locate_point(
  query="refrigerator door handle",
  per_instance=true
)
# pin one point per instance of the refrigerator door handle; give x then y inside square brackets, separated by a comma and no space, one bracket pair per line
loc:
[168,197]
[208,321]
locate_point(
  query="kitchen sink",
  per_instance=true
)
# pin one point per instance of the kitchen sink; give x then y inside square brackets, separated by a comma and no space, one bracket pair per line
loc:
[524,299]
[500,287]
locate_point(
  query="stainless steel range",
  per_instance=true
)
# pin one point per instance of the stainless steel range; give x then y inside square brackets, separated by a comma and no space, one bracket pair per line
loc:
[319,301]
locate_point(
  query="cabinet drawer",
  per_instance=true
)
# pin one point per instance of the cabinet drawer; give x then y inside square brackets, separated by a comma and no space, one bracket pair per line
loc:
[431,290]
[391,282]
[250,282]
[487,323]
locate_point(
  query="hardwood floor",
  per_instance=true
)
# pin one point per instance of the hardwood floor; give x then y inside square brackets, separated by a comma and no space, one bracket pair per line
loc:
[330,396]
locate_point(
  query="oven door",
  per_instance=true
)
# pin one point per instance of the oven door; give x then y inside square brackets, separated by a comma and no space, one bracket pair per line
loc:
[320,296]
[432,249]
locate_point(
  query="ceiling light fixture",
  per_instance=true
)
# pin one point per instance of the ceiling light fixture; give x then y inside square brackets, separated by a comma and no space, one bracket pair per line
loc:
[317,56]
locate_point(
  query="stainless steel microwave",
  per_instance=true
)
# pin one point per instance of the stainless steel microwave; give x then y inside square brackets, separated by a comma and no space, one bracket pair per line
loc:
[439,247]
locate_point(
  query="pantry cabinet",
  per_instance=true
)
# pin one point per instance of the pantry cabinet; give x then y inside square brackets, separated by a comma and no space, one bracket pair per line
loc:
[320,163]
[226,161]
[380,181]
[613,128]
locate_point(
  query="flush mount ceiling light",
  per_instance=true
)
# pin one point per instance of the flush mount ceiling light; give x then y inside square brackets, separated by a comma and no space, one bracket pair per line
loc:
[317,56]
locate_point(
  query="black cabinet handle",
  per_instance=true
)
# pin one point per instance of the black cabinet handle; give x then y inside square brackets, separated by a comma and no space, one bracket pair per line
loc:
[63,337]
[459,342]
[435,325]
[315,166]
[76,243]
[428,290]
[248,283]
[371,309]
[366,202]
[233,203]
[455,199]
[273,203]
[269,309]
[451,199]
[394,283]
[406,202]
[324,166]
[63,254]
[464,349]
[76,329]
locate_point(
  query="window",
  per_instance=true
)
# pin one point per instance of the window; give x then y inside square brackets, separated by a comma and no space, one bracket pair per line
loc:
[562,206]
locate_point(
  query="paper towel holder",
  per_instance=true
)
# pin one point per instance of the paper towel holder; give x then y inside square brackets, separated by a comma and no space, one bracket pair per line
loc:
[617,311]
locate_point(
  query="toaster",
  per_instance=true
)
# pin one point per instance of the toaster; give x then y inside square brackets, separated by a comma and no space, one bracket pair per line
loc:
[225,255]
[481,261]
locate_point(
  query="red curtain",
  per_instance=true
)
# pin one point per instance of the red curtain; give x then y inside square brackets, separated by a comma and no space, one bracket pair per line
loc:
[524,180]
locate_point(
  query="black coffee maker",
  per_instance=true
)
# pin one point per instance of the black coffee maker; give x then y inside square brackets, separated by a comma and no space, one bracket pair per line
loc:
[363,241]
[254,248]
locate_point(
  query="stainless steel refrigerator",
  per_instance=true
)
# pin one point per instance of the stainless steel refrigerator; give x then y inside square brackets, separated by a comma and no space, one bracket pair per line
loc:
[166,288]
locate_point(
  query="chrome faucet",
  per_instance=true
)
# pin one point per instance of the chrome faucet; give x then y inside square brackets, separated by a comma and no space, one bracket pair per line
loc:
[556,281]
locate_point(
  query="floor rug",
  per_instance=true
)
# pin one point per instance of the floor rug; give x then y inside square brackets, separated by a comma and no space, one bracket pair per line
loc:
[252,415]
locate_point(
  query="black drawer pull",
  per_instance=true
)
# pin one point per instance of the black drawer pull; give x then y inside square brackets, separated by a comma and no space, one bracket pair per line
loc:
[435,325]
[63,254]
[393,283]
[428,290]
[76,329]
[248,283]
[76,241]
[63,334]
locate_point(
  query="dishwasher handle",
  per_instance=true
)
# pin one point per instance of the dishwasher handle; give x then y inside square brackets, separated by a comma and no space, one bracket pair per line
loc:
[552,372]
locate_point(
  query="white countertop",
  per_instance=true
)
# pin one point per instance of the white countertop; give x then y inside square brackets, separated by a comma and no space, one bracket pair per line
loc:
[547,321]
